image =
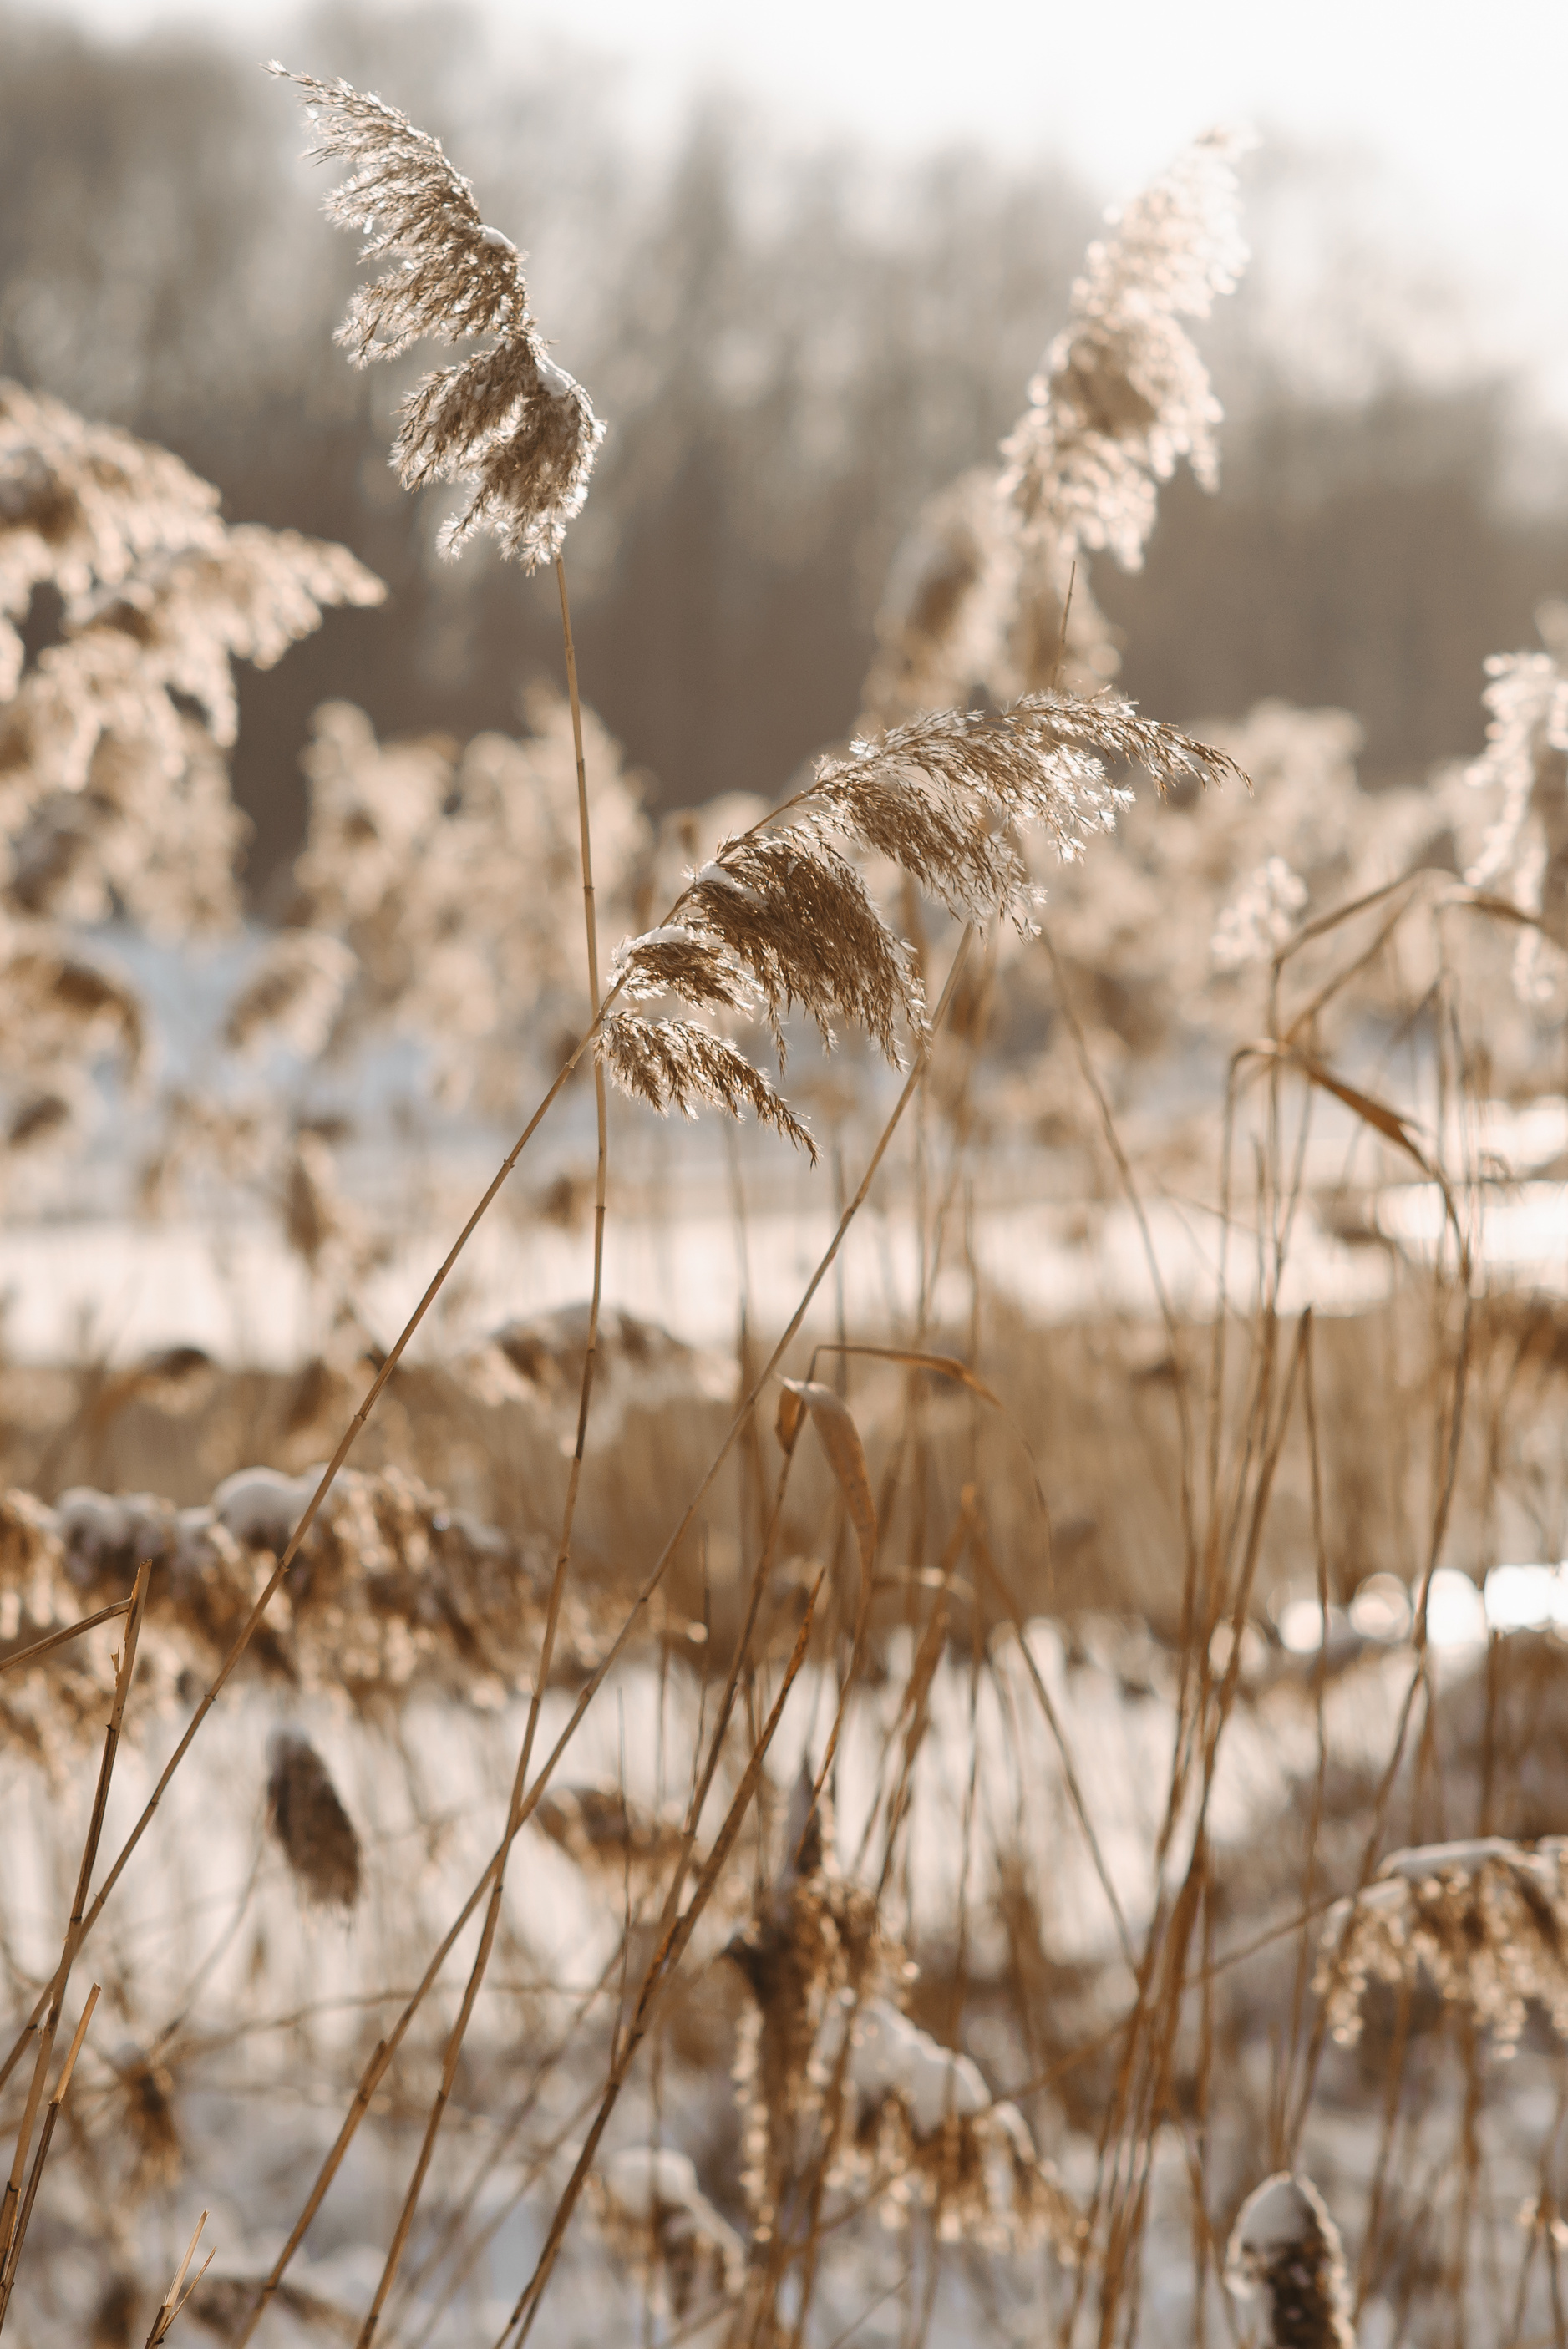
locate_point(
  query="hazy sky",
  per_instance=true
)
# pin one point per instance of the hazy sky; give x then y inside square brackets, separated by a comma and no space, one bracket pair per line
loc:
[1463,100]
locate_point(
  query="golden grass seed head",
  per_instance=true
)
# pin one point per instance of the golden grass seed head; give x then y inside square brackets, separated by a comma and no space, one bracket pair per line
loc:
[673,1064]
[1124,392]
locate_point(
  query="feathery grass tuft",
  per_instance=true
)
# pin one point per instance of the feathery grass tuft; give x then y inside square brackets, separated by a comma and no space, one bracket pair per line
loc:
[1123,392]
[674,1064]
[506,420]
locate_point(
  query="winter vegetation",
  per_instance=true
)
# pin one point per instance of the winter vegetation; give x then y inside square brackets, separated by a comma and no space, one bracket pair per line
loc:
[903,1680]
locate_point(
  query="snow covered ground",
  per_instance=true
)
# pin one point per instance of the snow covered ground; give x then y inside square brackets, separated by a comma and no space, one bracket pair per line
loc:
[273,2007]
[121,1289]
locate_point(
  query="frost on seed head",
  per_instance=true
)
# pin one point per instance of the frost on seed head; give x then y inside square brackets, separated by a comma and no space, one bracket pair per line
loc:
[1486,1921]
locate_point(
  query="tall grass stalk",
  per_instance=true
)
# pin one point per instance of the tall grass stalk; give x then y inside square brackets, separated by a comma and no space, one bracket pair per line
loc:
[54,2000]
[563,1547]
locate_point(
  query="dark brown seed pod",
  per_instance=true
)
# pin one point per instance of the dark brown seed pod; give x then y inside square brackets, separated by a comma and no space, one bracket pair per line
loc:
[147,2087]
[1285,2248]
[306,1814]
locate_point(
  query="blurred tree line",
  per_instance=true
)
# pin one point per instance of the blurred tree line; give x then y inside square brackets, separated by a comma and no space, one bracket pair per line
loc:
[792,351]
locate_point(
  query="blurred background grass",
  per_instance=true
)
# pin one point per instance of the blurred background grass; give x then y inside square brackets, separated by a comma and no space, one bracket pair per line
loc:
[797,334]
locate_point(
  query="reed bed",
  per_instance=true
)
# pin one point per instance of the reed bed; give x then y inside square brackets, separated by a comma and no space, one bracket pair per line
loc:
[960,1826]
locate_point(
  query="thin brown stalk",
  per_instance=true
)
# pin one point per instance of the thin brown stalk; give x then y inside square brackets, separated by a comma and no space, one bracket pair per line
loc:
[1277,2149]
[1303,1020]
[563,1547]
[1393,2088]
[54,1996]
[1199,2140]
[174,2299]
[660,1970]
[57,1639]
[740,1665]
[46,2136]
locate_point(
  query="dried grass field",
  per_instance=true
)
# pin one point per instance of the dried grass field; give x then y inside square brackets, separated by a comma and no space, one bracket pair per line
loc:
[904,1684]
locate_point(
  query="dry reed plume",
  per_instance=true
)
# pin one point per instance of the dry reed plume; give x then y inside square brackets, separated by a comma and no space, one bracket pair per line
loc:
[1123,392]
[507,420]
[114,791]
[985,594]
[781,917]
[1525,767]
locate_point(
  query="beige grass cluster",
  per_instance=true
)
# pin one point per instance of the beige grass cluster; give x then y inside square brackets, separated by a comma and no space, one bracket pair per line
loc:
[113,795]
[114,789]
[292,996]
[1524,770]
[449,874]
[393,1590]
[841,2092]
[83,506]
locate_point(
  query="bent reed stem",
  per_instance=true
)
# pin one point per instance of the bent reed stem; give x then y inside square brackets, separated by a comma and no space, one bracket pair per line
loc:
[57,1639]
[76,1934]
